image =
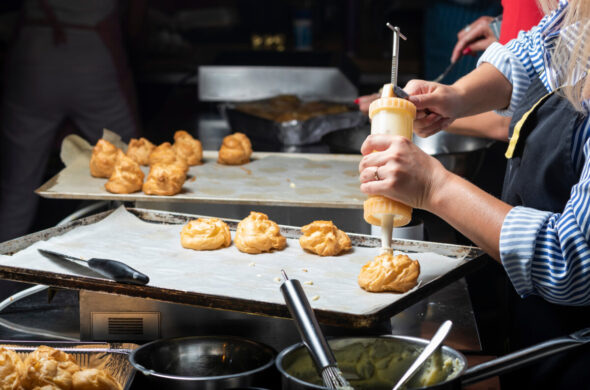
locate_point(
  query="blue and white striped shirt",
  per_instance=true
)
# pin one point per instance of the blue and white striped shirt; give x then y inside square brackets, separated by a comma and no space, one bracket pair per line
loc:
[546,253]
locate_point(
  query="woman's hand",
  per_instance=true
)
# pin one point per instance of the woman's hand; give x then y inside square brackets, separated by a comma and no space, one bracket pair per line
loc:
[477,36]
[365,101]
[394,167]
[437,106]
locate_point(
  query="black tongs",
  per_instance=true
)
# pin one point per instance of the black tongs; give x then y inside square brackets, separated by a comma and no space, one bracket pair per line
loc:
[112,269]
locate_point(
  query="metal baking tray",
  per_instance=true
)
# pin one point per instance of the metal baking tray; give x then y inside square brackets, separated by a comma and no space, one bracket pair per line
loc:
[266,133]
[111,357]
[328,317]
[270,179]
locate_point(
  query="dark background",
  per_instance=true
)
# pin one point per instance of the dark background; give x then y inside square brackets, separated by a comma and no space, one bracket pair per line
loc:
[166,41]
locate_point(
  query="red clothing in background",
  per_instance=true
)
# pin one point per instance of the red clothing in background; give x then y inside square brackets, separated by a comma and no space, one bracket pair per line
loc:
[518,15]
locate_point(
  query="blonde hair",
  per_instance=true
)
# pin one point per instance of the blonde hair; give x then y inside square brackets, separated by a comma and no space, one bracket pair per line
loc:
[571,61]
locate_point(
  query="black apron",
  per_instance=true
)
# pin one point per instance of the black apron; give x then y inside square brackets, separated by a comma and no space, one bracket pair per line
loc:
[540,174]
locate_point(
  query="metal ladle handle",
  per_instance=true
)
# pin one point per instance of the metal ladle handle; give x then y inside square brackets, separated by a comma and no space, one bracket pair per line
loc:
[435,342]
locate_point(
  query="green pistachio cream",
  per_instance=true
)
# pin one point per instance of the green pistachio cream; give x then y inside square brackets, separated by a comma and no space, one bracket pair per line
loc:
[375,364]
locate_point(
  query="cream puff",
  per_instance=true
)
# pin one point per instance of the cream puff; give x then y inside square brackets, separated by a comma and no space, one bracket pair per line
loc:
[165,154]
[139,150]
[164,179]
[94,379]
[49,366]
[235,150]
[126,178]
[103,160]
[205,234]
[12,369]
[257,234]
[386,272]
[187,147]
[324,238]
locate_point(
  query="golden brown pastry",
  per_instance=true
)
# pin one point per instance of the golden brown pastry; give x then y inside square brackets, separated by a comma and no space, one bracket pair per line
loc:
[386,272]
[94,379]
[48,366]
[205,234]
[139,150]
[235,150]
[11,370]
[104,157]
[164,179]
[324,238]
[165,154]
[257,234]
[187,147]
[126,178]
[47,387]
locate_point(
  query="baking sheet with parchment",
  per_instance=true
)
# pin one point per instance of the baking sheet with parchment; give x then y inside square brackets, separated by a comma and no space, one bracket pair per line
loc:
[154,249]
[280,179]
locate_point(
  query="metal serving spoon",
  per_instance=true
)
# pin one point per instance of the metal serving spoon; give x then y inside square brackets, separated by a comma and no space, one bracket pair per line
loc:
[435,342]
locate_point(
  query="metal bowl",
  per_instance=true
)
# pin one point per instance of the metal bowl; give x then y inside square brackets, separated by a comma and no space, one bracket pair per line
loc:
[205,362]
[459,154]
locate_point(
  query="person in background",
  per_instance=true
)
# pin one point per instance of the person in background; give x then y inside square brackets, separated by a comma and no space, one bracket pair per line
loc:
[539,229]
[67,62]
[442,20]
[517,15]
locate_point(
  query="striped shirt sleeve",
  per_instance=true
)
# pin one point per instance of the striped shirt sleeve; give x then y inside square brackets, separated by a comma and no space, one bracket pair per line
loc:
[512,68]
[521,59]
[548,253]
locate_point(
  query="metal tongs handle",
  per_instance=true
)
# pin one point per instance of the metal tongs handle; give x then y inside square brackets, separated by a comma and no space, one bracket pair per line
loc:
[307,324]
[118,271]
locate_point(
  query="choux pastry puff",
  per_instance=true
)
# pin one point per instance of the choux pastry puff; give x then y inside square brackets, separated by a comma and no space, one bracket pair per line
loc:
[235,150]
[324,238]
[104,157]
[187,147]
[387,272]
[205,234]
[257,234]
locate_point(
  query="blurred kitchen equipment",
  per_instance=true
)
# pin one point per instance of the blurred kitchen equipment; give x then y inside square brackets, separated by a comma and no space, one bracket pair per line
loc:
[246,83]
[112,269]
[311,334]
[229,85]
[435,342]
[205,362]
[463,155]
[461,374]
[266,133]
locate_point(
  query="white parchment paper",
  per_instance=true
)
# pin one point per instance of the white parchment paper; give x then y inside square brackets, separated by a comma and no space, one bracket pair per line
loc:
[330,283]
[282,179]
